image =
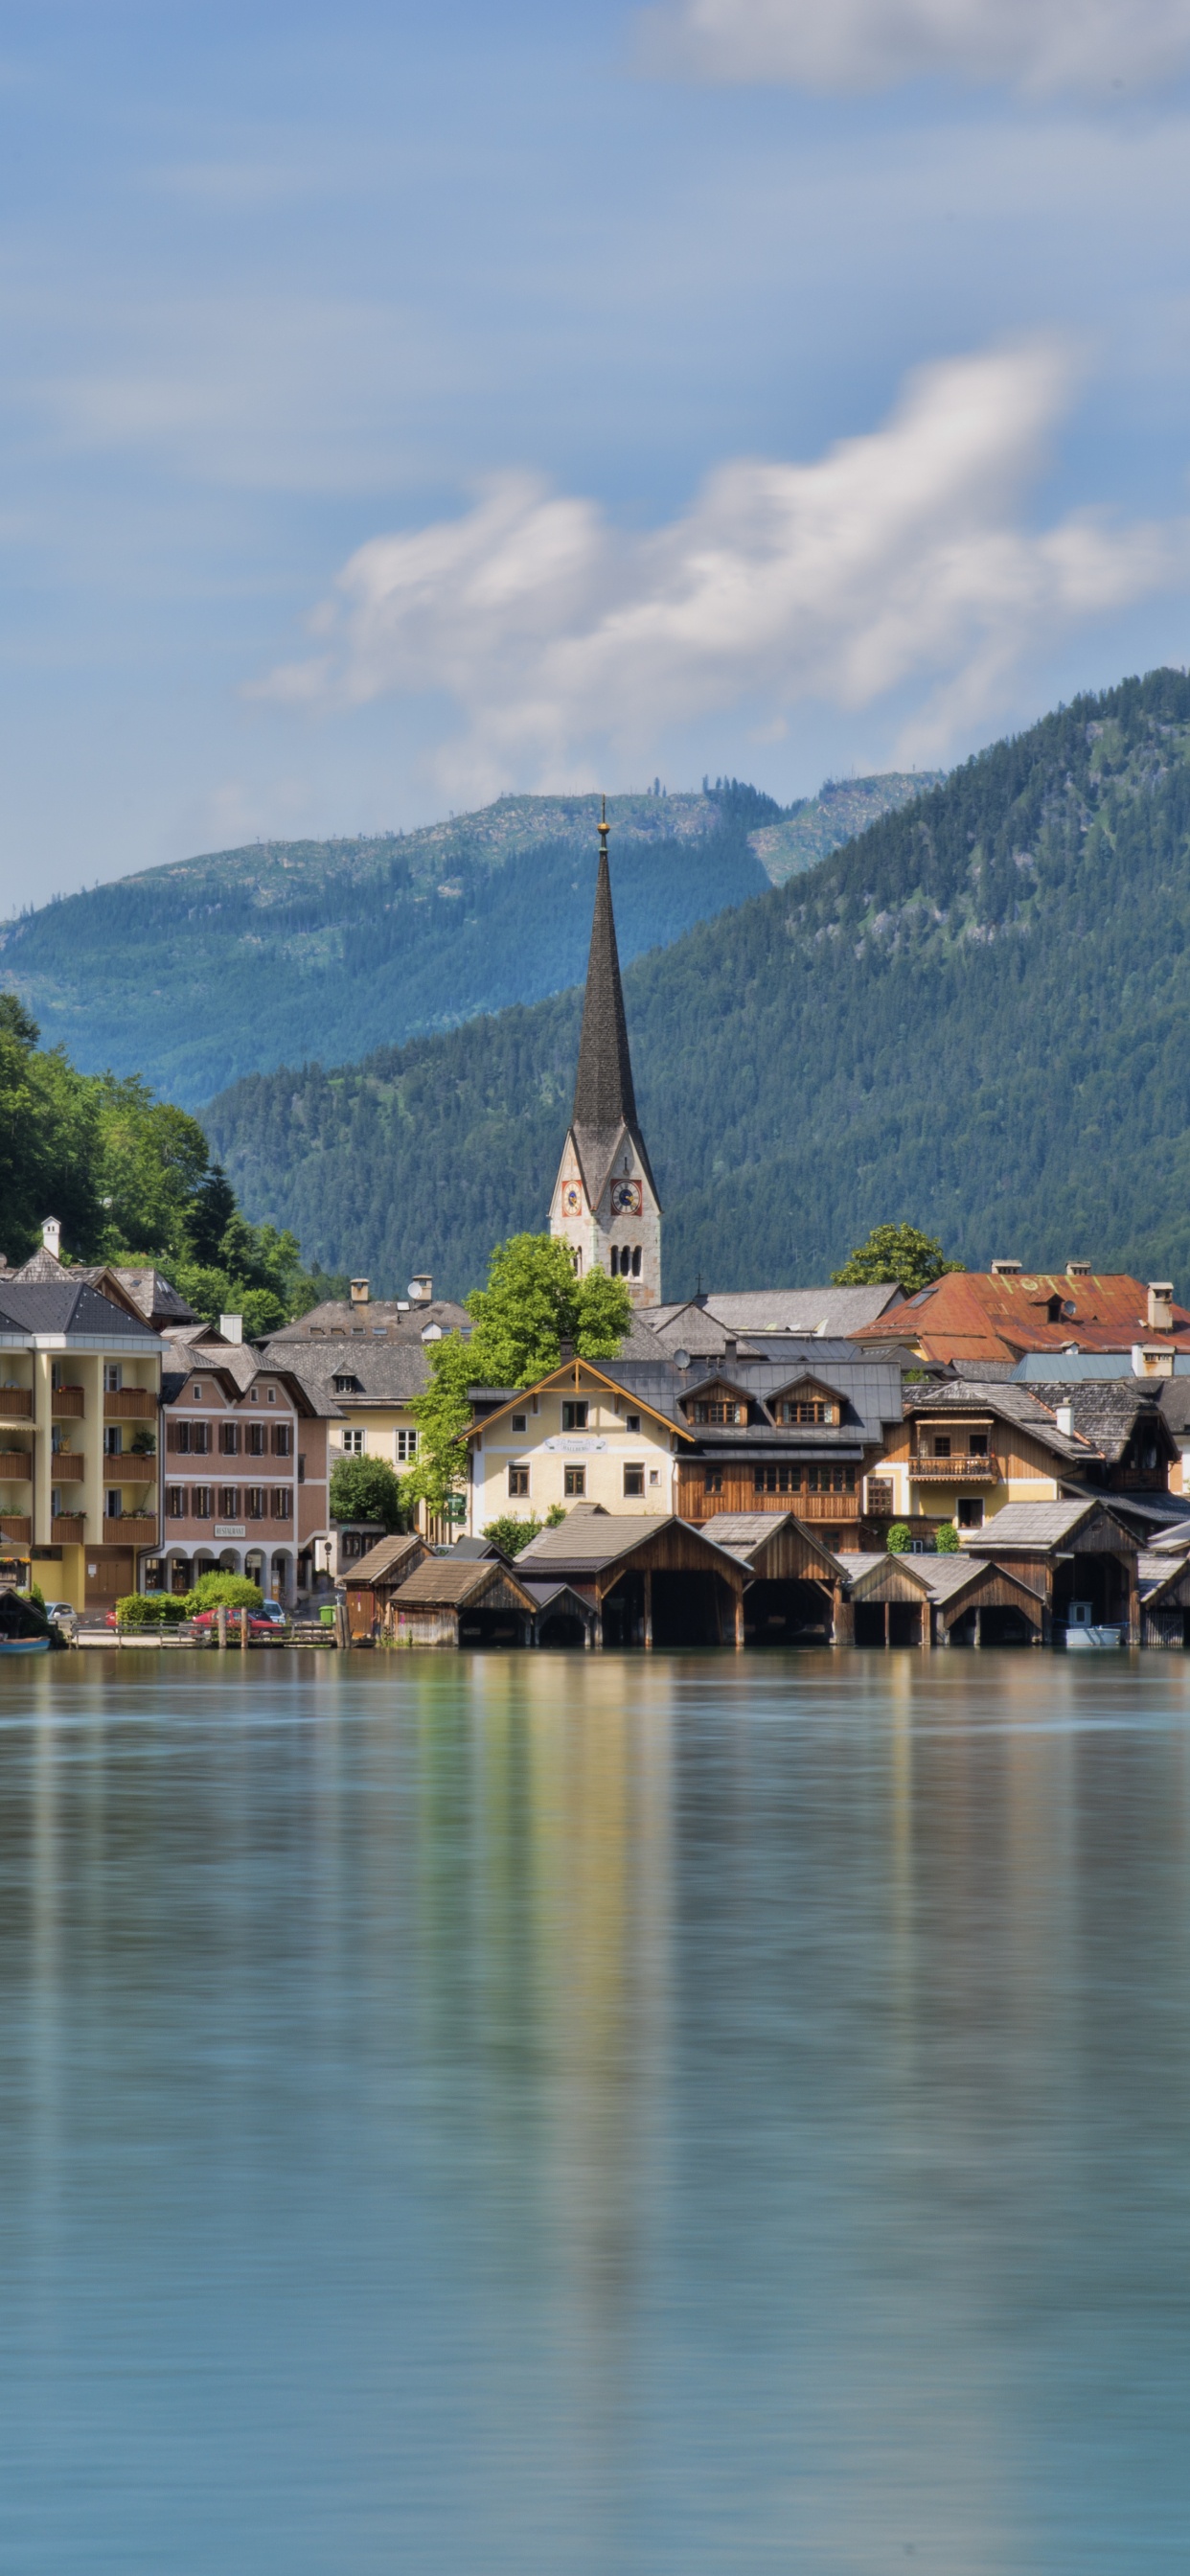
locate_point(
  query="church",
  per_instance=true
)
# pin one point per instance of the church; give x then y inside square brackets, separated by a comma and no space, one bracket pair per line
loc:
[605,1204]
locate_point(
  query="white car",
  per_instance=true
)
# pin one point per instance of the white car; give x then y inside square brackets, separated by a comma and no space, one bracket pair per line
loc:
[61,1614]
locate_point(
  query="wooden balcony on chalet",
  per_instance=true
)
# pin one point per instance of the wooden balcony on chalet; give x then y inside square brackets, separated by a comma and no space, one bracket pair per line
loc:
[130,1404]
[16,1529]
[66,1403]
[963,1468]
[67,1466]
[16,1404]
[16,1467]
[739,1494]
[68,1526]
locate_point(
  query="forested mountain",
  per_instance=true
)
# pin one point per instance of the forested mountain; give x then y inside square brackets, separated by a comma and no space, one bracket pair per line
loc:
[975,1015]
[194,974]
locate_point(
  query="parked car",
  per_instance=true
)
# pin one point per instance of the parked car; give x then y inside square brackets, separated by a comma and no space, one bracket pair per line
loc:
[264,1626]
[63,1615]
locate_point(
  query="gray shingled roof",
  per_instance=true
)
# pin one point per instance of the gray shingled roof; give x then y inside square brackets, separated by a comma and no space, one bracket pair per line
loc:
[829,1312]
[743,1534]
[1106,1410]
[389,1318]
[386,1557]
[1031,1525]
[66,1303]
[1016,1404]
[445,1582]
[388,1372]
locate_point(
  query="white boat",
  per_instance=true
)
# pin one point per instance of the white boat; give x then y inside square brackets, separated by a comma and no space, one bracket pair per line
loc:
[1087,1635]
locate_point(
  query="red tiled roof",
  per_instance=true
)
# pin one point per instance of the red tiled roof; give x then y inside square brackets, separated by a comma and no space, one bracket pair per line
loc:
[981,1315]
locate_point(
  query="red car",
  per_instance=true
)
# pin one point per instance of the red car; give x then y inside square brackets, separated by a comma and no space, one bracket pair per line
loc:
[265,1627]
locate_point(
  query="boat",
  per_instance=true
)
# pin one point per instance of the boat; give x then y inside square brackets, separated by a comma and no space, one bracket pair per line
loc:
[24,1645]
[1086,1635]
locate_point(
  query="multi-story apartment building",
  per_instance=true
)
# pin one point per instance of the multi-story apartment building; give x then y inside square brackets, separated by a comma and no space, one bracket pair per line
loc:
[246,1472]
[80,1387]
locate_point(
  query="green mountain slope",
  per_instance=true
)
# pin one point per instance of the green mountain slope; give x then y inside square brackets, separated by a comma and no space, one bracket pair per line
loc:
[194,974]
[975,1015]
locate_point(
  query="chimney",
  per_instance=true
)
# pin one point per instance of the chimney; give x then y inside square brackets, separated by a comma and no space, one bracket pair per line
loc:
[1152,1359]
[51,1236]
[1078,1269]
[232,1327]
[1006,1270]
[421,1289]
[1160,1314]
[359,1292]
[730,1348]
[1064,1418]
[565,1351]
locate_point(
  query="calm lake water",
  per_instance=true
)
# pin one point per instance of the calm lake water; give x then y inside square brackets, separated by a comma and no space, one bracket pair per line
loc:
[561,2114]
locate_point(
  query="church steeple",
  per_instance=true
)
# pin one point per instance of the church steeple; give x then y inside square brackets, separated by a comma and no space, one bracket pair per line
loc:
[603,1093]
[605,1203]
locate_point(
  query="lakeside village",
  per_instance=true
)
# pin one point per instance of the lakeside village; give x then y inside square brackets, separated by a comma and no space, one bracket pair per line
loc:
[993,1459]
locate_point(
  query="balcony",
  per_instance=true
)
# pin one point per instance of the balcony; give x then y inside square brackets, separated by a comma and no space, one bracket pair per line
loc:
[69,1526]
[16,1529]
[16,1467]
[16,1404]
[810,1507]
[67,1466]
[130,1469]
[959,1470]
[130,1529]
[66,1403]
[130,1404]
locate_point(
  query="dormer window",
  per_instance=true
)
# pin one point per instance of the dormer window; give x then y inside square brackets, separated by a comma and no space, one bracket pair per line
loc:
[719,1409]
[808,1407]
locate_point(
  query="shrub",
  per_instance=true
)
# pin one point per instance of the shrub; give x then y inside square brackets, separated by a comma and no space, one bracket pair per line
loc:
[149,1610]
[232,1591]
[946,1539]
[33,1592]
[899,1539]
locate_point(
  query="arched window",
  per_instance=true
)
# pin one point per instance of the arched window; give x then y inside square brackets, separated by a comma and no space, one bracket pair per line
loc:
[636,1262]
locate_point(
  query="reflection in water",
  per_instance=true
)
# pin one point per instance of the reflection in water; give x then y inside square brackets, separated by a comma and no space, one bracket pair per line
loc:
[586,2114]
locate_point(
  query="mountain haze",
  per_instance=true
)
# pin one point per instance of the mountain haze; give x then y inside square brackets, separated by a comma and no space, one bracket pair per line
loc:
[975,1015]
[194,974]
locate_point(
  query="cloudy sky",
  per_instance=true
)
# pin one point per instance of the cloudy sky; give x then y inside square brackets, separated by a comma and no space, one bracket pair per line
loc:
[400,404]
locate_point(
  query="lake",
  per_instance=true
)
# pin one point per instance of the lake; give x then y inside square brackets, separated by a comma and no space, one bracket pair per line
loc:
[573,2115]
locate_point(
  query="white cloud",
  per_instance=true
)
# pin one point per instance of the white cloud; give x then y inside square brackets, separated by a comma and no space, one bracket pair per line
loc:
[898,561]
[1040,47]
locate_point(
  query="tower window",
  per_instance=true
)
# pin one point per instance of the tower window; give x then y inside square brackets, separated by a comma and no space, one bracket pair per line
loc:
[636,1261]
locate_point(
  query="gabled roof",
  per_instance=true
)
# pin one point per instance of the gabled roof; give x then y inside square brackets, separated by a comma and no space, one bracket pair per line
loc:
[67,1303]
[815,1312]
[386,1319]
[388,1373]
[449,1583]
[568,1377]
[1108,1411]
[588,1542]
[1037,1527]
[747,1534]
[386,1559]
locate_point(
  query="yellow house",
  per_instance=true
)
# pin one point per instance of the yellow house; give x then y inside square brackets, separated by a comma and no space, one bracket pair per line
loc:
[966,1448]
[80,1394]
[576,1437]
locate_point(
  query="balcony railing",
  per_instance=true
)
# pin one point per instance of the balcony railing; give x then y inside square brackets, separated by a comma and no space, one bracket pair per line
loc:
[67,1466]
[959,1470]
[16,1404]
[130,1529]
[130,1468]
[15,1528]
[16,1467]
[68,1525]
[66,1403]
[130,1404]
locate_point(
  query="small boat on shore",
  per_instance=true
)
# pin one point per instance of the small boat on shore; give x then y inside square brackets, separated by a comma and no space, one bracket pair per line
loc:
[24,1645]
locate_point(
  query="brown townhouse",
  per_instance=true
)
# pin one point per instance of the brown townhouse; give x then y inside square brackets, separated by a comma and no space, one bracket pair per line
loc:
[245,1470]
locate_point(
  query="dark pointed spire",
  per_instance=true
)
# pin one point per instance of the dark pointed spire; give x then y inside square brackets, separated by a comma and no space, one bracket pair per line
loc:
[603,1093]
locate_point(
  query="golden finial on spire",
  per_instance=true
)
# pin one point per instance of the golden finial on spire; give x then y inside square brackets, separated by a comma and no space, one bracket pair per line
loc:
[604,827]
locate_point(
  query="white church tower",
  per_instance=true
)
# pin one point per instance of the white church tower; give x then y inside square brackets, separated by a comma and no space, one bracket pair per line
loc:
[605,1203]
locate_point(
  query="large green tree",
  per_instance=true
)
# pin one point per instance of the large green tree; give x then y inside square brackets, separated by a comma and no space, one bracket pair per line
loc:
[531,1305]
[895,1252]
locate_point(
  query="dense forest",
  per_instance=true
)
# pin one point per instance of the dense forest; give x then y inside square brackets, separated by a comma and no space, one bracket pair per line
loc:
[194,974]
[974,1015]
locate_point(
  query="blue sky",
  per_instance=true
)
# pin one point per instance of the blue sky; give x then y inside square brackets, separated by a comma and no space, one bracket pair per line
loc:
[398,405]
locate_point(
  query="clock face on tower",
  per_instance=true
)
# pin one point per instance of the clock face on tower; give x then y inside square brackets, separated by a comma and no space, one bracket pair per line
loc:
[626,1198]
[572,1199]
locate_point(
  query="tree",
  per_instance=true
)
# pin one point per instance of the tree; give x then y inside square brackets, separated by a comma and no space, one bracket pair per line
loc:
[946,1539]
[898,1253]
[365,1489]
[533,1303]
[210,1214]
[900,1539]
